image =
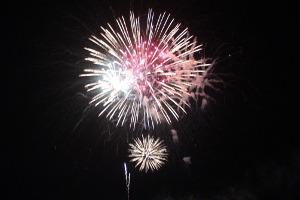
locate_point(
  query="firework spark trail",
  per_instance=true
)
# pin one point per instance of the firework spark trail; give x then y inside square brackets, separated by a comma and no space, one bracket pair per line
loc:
[127,178]
[148,153]
[145,74]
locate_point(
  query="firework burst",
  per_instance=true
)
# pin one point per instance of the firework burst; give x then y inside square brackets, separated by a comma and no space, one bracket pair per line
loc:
[145,72]
[148,153]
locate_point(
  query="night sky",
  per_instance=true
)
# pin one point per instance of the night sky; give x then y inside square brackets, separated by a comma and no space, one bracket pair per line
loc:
[243,145]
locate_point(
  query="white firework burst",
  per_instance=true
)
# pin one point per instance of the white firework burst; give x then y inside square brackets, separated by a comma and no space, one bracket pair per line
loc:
[145,72]
[148,153]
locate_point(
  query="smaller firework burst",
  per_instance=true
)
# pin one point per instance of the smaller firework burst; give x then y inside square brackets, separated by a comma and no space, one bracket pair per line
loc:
[148,153]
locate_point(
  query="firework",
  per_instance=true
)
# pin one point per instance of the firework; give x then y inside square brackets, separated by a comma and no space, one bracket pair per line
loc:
[148,153]
[145,72]
[127,178]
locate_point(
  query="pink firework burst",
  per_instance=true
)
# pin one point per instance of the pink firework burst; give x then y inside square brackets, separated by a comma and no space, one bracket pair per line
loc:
[145,73]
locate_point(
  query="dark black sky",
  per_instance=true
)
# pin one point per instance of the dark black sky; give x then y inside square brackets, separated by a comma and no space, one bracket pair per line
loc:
[242,146]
